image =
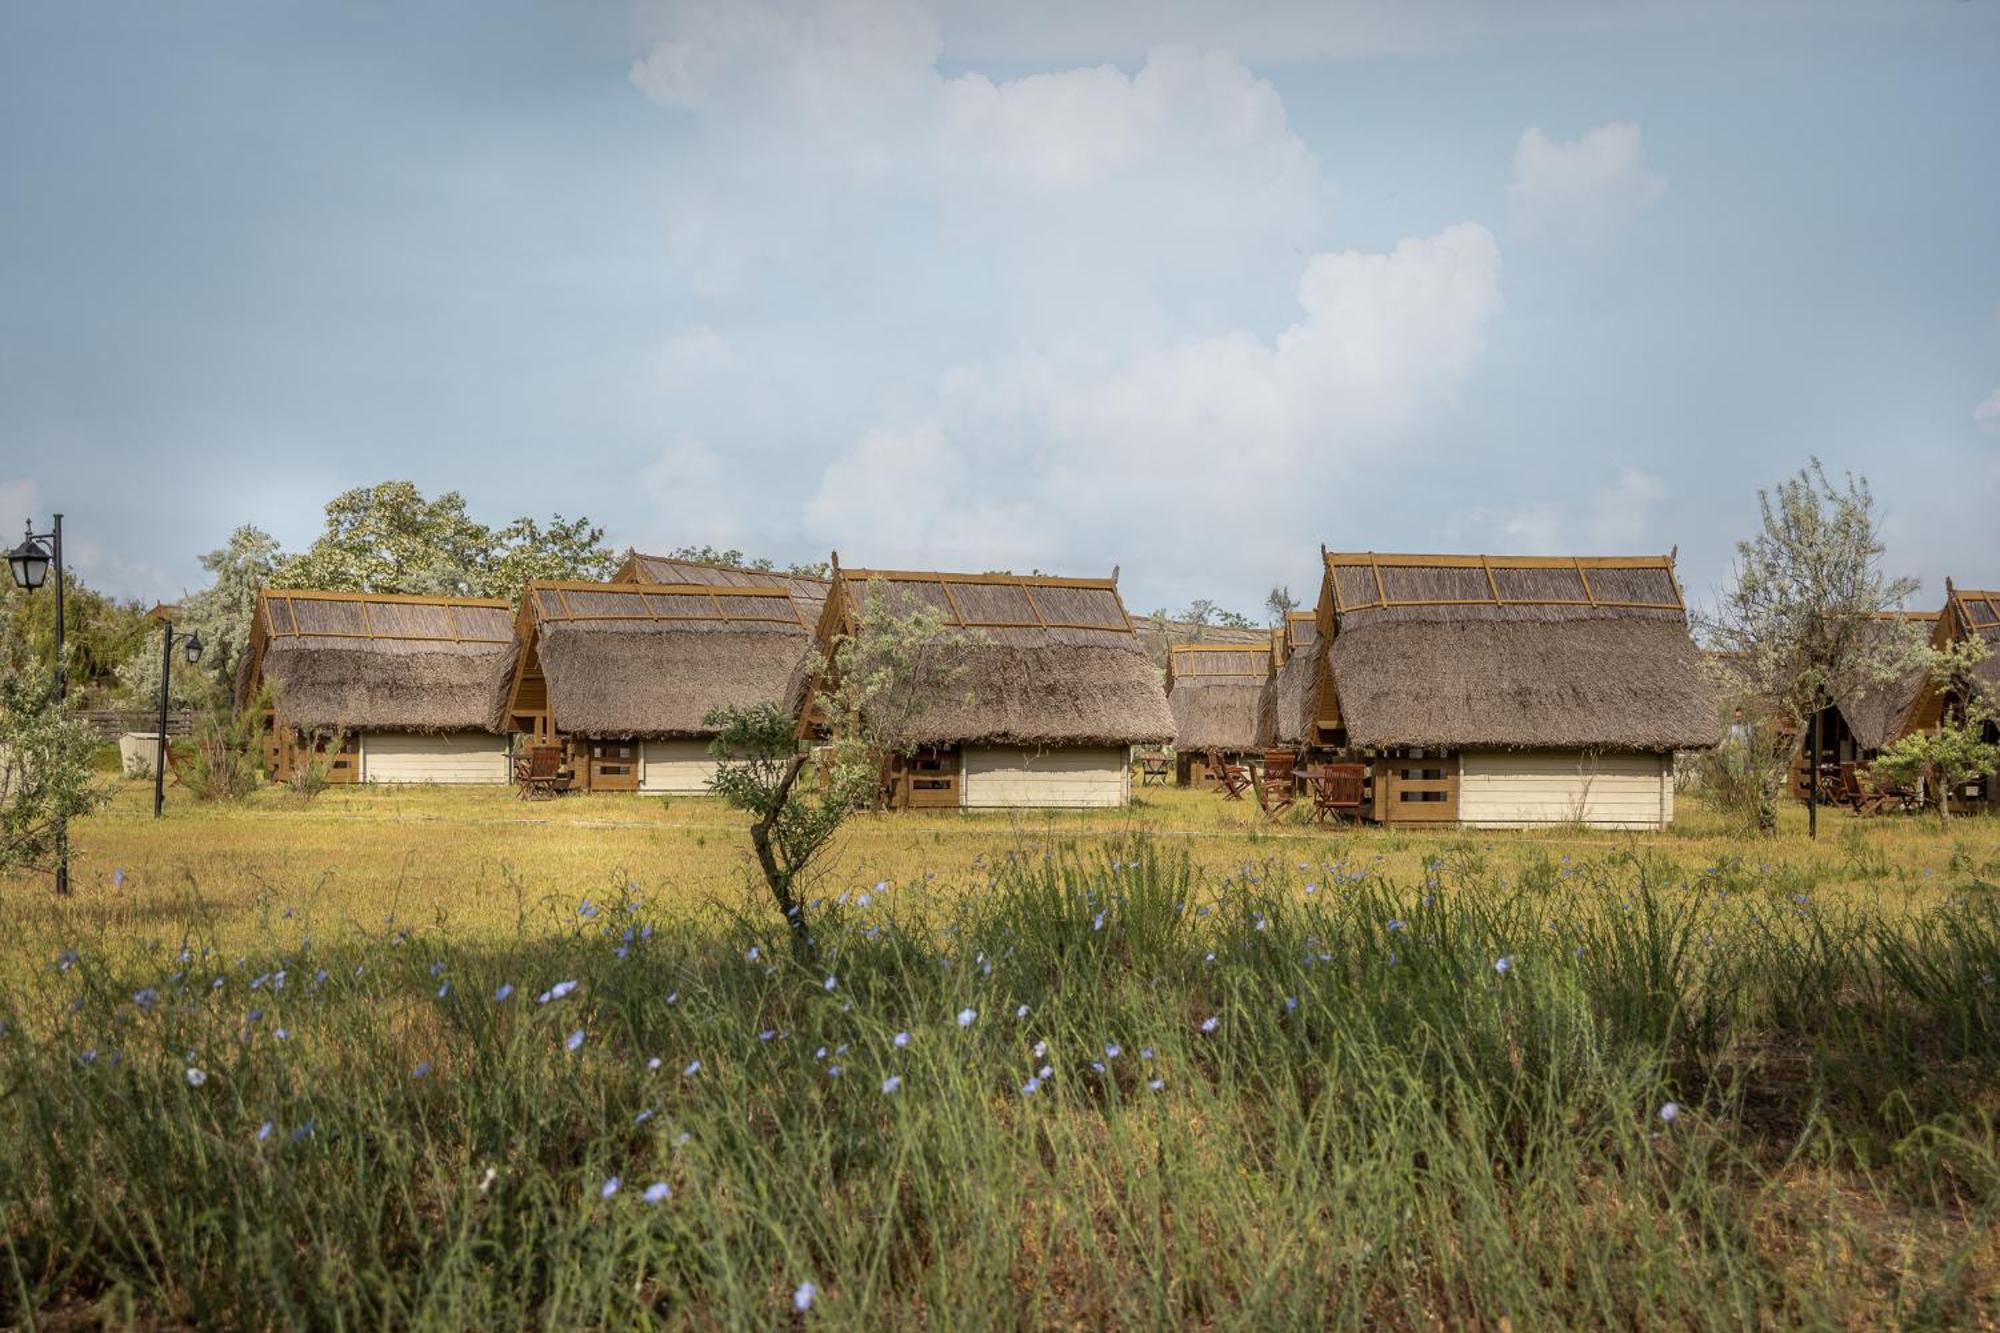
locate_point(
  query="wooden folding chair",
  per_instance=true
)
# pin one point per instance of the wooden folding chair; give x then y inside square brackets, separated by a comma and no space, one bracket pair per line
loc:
[538,774]
[1234,779]
[1277,785]
[1338,790]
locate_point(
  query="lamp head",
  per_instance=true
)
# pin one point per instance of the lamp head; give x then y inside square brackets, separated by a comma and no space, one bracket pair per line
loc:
[29,563]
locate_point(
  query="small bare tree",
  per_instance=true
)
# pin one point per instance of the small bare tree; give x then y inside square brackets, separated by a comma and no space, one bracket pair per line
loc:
[867,695]
[1793,630]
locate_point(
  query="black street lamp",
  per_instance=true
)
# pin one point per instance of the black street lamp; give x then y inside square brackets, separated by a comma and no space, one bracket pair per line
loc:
[30,563]
[191,646]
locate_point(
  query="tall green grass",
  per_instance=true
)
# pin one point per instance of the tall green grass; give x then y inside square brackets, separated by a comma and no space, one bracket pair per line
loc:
[1303,1096]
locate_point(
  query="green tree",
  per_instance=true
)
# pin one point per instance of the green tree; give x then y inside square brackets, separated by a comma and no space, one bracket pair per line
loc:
[563,549]
[1280,603]
[45,768]
[220,613]
[1956,751]
[99,633]
[1796,628]
[390,539]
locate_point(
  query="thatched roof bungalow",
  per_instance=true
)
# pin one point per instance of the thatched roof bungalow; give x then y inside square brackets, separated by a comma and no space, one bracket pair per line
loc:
[1285,705]
[624,674]
[1500,691]
[1968,614]
[1854,729]
[1039,708]
[1214,690]
[381,688]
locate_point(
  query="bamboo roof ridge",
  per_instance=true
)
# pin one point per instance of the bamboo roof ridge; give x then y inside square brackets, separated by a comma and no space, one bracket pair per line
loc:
[1053,661]
[376,662]
[1513,652]
[808,590]
[645,660]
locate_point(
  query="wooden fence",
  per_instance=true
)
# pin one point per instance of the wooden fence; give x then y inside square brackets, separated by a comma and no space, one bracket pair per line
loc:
[111,723]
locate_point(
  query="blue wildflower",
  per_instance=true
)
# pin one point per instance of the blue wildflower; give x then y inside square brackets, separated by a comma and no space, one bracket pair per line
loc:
[802,1299]
[657,1192]
[893,1083]
[196,1077]
[422,1070]
[609,1188]
[505,992]
[1210,1023]
[575,1041]
[901,1040]
[693,1068]
[264,1131]
[966,1017]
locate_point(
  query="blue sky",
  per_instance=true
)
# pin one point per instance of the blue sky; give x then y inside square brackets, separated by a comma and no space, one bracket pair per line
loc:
[1185,287]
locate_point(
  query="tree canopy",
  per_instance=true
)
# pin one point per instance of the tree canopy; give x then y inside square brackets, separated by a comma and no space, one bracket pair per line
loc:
[390,539]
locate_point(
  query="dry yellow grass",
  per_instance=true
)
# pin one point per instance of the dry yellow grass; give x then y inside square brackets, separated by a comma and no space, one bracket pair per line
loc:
[478,860]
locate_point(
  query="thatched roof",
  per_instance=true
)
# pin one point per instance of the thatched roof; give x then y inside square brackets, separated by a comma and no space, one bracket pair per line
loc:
[661,570]
[1053,661]
[1214,690]
[1978,613]
[1515,652]
[1875,714]
[1285,705]
[652,660]
[373,662]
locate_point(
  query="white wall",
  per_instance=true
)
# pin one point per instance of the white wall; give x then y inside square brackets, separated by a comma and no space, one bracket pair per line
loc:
[1513,789]
[680,767]
[456,757]
[1071,777]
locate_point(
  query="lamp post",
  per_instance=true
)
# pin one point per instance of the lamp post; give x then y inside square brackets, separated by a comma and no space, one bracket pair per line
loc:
[30,563]
[190,645]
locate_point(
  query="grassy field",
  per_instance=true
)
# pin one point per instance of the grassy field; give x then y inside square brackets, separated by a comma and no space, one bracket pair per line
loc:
[478,861]
[444,1059]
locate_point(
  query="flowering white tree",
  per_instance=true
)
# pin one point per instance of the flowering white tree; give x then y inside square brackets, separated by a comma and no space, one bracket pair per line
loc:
[1793,630]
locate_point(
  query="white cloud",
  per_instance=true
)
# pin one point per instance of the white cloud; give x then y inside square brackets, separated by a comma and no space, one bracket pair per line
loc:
[1620,521]
[1583,188]
[1091,194]
[1618,518]
[20,502]
[696,498]
[1986,416]
[691,354]
[1071,458]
